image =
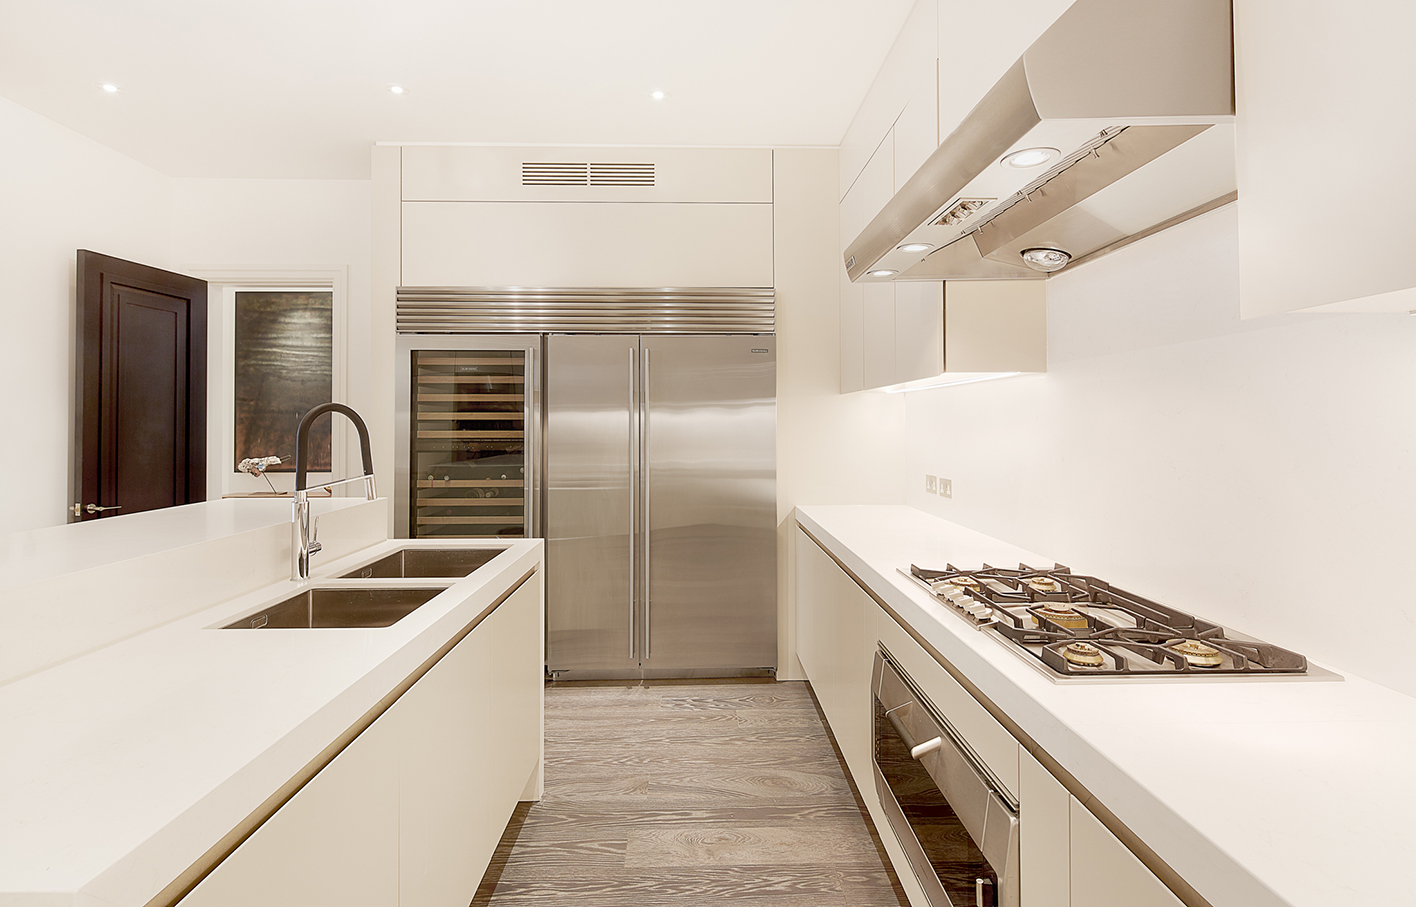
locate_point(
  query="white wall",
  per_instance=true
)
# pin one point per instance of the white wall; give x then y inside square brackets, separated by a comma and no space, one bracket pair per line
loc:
[831,449]
[61,192]
[1260,473]
[273,227]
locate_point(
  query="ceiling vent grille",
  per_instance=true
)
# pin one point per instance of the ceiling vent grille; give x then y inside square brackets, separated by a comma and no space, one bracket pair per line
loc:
[598,173]
[551,173]
[606,174]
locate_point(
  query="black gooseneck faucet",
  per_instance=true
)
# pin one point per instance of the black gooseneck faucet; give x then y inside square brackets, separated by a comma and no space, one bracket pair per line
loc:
[301,545]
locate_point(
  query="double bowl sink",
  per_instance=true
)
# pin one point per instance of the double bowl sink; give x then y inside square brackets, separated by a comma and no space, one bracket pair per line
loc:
[323,607]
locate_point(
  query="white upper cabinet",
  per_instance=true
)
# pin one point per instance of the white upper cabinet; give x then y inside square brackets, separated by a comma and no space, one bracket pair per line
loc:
[903,82]
[479,173]
[1323,102]
[474,216]
[565,244]
[977,44]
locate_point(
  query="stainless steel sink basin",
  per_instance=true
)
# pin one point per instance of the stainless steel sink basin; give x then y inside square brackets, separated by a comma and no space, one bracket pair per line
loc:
[425,562]
[337,607]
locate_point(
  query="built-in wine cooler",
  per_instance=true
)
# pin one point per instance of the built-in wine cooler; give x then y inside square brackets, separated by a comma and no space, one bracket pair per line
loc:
[468,432]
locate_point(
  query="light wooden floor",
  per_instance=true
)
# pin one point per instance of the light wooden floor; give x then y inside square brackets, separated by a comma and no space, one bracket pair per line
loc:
[676,794]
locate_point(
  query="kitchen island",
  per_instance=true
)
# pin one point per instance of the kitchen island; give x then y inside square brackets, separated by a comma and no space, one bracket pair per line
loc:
[129,771]
[1253,791]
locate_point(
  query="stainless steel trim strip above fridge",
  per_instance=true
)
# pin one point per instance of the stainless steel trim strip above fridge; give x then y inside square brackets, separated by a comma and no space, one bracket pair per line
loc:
[957,825]
[639,310]
[689,517]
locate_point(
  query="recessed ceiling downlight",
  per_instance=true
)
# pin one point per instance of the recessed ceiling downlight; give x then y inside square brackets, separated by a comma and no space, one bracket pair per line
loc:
[1046,260]
[397,89]
[1028,158]
[883,272]
[915,247]
[657,95]
[109,87]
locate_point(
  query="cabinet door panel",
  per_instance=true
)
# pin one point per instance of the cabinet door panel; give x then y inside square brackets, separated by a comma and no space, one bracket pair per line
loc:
[831,627]
[614,244]
[1106,874]
[878,328]
[919,329]
[852,297]
[472,726]
[1308,69]
[1043,836]
[917,129]
[334,842]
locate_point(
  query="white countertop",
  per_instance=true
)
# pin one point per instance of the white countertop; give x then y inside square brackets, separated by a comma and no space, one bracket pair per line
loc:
[1257,791]
[120,768]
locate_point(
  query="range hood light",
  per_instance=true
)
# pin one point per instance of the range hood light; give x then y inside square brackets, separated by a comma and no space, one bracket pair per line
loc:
[1028,158]
[882,272]
[915,247]
[1047,260]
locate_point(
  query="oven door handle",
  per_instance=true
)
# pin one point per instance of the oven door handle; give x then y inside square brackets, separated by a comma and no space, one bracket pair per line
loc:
[917,750]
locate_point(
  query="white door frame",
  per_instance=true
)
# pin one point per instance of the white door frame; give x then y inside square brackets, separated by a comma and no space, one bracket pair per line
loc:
[225,281]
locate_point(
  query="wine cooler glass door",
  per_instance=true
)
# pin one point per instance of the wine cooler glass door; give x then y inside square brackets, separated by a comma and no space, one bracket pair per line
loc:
[470,441]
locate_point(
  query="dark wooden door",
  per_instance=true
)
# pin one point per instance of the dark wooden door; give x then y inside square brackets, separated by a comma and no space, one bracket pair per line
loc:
[141,427]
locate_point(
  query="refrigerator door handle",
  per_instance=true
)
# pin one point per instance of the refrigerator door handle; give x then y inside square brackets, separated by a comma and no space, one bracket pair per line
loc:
[633,539]
[644,474]
[531,457]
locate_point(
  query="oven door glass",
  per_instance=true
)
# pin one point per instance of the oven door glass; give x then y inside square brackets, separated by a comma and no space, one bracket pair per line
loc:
[953,854]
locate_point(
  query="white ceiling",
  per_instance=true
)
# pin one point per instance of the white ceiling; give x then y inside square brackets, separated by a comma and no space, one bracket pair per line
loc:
[299,88]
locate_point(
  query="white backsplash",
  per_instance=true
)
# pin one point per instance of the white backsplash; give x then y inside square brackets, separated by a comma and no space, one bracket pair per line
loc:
[1260,473]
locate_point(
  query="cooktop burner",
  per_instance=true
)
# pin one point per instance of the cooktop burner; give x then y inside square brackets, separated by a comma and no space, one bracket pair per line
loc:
[1080,626]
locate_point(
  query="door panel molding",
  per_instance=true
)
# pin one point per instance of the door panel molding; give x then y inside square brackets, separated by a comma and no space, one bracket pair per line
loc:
[100,282]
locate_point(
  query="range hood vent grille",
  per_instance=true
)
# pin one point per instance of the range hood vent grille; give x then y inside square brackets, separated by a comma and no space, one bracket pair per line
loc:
[596,173]
[639,310]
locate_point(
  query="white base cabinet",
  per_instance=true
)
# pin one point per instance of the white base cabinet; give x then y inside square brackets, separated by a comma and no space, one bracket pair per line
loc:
[1067,857]
[835,648]
[1104,872]
[334,842]
[411,811]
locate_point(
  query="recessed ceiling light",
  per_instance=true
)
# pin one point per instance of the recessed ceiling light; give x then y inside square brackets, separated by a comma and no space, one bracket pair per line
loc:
[915,247]
[109,87]
[1027,158]
[883,272]
[397,89]
[1047,260]
[657,95]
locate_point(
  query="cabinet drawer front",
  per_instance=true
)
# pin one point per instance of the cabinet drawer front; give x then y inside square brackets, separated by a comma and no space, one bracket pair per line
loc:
[509,244]
[334,842]
[990,741]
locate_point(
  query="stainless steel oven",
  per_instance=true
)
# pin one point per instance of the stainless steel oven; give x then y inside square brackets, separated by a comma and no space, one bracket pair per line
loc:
[957,825]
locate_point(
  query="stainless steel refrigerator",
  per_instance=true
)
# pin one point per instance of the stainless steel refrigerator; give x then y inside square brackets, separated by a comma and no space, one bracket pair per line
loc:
[660,505]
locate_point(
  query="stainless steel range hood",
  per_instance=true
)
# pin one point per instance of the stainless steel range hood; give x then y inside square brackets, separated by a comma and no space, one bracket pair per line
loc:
[1133,103]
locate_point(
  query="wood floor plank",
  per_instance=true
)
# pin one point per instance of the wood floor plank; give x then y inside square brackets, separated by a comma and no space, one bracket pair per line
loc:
[689,794]
[819,843]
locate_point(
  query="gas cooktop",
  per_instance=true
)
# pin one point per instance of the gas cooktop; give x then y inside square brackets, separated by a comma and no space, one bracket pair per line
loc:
[1080,626]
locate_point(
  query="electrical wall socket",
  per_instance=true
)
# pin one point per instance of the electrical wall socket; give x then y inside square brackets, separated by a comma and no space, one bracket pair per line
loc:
[931,485]
[946,488]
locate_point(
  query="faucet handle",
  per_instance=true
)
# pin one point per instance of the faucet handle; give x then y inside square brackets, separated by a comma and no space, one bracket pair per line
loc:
[315,537]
